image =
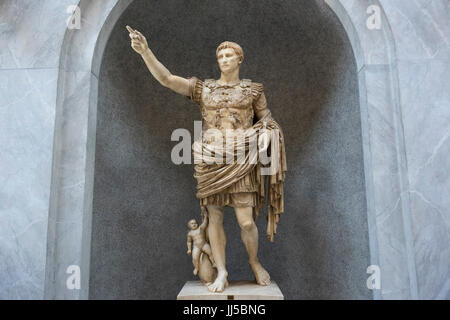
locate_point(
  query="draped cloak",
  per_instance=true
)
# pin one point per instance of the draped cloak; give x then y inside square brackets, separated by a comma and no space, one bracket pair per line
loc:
[214,179]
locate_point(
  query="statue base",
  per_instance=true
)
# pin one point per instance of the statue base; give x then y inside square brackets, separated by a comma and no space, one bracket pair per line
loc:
[236,290]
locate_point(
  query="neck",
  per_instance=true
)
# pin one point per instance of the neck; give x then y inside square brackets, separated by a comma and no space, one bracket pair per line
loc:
[231,77]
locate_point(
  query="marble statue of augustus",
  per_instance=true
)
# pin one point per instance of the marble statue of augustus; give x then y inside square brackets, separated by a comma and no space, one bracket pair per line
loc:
[227,104]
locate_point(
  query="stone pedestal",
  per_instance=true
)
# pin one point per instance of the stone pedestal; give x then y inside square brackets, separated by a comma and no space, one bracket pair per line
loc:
[237,290]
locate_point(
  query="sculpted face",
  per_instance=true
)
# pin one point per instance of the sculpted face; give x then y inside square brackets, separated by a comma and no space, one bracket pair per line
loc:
[228,60]
[193,224]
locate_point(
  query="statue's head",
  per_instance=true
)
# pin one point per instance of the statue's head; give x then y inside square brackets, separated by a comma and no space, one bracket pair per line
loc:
[229,56]
[192,224]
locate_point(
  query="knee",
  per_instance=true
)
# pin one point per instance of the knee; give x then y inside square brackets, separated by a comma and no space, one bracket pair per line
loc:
[247,225]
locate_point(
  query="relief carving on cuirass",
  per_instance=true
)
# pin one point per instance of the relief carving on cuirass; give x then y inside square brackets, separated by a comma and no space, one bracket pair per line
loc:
[227,107]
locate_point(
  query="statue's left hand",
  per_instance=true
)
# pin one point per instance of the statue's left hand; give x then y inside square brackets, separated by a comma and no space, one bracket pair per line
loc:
[263,140]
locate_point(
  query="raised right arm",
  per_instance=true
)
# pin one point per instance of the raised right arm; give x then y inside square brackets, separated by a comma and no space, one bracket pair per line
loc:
[158,70]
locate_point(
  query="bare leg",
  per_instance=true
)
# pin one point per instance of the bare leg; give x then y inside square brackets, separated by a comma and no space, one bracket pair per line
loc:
[207,249]
[217,240]
[196,259]
[249,235]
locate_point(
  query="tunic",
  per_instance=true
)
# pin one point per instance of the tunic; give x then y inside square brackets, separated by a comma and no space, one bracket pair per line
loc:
[230,107]
[233,106]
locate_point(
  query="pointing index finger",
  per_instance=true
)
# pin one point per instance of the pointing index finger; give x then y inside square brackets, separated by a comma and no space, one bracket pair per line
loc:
[130,29]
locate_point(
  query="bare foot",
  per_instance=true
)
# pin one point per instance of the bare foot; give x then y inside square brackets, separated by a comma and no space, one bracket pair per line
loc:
[219,284]
[261,275]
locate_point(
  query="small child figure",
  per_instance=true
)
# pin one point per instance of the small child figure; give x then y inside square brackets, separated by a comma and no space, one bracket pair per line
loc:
[197,235]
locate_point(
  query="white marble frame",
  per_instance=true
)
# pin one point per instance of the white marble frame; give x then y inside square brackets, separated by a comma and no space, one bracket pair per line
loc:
[388,212]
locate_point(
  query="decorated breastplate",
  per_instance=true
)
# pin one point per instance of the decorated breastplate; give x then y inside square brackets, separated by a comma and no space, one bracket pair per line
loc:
[227,107]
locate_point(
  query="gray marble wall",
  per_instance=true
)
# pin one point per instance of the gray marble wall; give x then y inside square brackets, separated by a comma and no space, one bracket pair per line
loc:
[411,232]
[29,58]
[69,227]
[421,30]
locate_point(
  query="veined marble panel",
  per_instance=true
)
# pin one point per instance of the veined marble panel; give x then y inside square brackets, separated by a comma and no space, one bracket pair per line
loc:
[31,32]
[72,182]
[382,139]
[71,200]
[26,137]
[421,28]
[386,195]
[426,117]
[373,42]
[78,56]
[431,245]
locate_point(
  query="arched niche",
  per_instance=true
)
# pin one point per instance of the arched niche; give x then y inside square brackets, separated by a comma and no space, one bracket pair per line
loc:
[70,217]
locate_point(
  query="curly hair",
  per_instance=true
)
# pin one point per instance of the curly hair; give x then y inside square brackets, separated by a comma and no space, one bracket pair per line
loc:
[233,45]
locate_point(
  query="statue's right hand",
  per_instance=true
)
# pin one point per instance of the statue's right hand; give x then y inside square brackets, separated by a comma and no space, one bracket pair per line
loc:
[189,252]
[138,41]
[204,215]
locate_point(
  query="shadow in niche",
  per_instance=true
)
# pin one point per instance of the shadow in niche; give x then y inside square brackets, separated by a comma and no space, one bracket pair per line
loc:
[142,201]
